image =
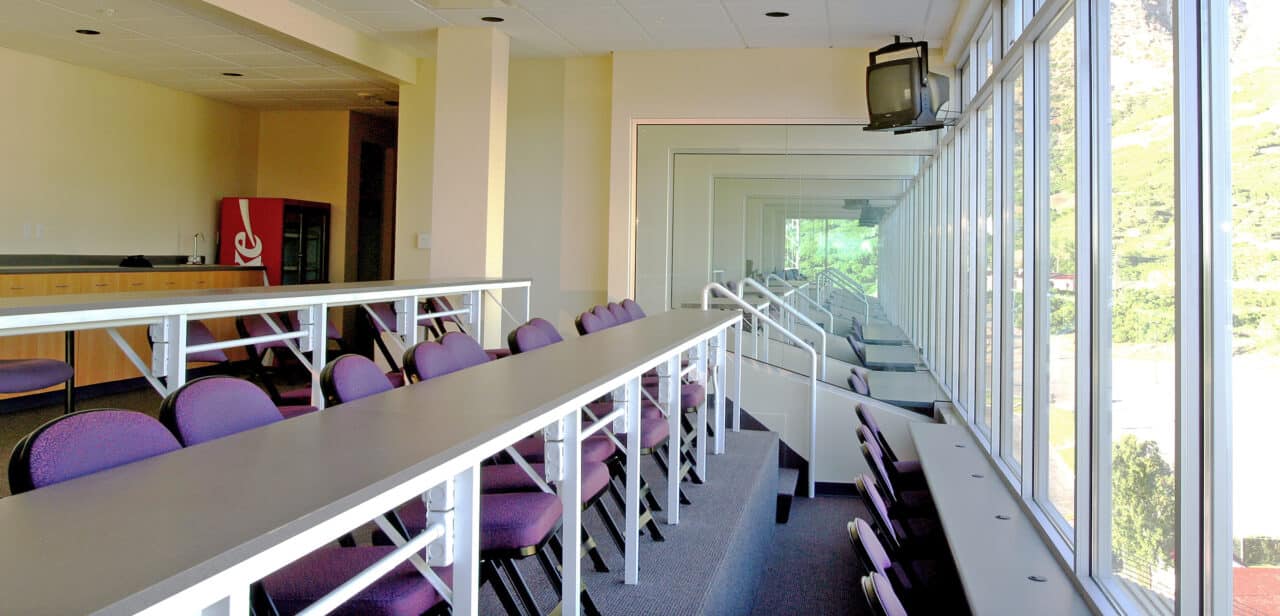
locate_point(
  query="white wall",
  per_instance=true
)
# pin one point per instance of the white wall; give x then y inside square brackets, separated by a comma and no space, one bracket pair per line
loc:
[99,164]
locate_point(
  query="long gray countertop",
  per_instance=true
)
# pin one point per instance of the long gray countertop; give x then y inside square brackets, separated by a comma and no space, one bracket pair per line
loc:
[123,539]
[995,557]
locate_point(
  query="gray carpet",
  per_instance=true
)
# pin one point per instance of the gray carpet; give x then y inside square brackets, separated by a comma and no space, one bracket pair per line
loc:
[813,569]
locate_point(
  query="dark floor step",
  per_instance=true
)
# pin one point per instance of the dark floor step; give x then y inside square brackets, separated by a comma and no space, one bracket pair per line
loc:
[788,481]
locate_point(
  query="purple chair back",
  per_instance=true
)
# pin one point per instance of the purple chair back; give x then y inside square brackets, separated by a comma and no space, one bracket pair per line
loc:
[589,322]
[386,313]
[859,349]
[869,420]
[605,315]
[198,333]
[254,325]
[547,329]
[532,336]
[858,385]
[84,443]
[620,314]
[871,493]
[873,554]
[882,598]
[442,304]
[430,359]
[216,406]
[875,458]
[351,377]
[633,309]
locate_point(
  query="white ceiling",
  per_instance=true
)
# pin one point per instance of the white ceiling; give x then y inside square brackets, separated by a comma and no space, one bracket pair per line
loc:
[167,43]
[160,43]
[577,27]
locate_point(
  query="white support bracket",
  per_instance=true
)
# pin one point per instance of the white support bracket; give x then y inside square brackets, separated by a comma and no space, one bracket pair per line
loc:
[554,455]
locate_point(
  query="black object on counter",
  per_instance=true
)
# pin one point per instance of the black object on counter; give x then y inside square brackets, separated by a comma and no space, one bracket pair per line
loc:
[135,261]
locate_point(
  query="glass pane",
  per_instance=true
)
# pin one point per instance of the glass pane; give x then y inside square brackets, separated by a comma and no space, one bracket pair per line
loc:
[1013,269]
[1141,280]
[985,224]
[1060,364]
[966,275]
[1255,302]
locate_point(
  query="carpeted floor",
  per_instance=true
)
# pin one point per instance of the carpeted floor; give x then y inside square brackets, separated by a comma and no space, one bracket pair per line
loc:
[813,570]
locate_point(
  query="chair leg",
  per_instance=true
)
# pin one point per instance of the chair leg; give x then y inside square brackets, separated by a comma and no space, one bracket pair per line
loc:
[610,525]
[260,603]
[662,465]
[522,588]
[489,573]
[553,574]
[592,552]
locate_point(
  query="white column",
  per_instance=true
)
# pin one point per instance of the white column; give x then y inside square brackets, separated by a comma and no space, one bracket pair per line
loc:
[469,166]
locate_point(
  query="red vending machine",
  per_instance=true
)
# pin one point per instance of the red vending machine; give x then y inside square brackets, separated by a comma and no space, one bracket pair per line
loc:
[289,237]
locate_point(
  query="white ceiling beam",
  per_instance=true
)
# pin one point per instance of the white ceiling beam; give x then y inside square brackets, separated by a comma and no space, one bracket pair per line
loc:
[320,32]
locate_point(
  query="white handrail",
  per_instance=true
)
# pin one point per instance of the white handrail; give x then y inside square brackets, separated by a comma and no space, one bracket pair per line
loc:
[813,369]
[831,275]
[822,334]
[831,319]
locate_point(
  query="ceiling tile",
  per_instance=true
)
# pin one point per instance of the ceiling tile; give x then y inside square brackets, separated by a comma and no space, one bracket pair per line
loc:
[233,43]
[397,21]
[265,60]
[596,29]
[519,24]
[173,27]
[116,9]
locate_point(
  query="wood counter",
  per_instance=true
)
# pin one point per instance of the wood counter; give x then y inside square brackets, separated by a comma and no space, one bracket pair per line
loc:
[98,359]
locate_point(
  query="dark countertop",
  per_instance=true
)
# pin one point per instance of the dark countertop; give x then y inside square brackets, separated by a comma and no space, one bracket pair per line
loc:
[98,269]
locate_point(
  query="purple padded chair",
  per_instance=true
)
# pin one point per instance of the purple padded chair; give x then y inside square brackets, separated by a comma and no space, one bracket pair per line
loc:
[513,525]
[858,380]
[253,326]
[538,333]
[92,441]
[457,351]
[929,586]
[83,443]
[632,309]
[859,349]
[910,536]
[19,376]
[620,314]
[917,499]
[880,596]
[869,420]
[442,304]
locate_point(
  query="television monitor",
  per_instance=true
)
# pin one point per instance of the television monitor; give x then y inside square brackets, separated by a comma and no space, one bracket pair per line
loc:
[895,93]
[902,95]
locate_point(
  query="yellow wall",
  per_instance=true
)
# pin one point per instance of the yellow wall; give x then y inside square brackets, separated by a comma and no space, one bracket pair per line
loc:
[110,165]
[303,155]
[792,85]
[557,183]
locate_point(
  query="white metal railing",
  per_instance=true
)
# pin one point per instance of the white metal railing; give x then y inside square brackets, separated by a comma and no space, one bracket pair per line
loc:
[813,369]
[168,320]
[796,314]
[831,319]
[840,279]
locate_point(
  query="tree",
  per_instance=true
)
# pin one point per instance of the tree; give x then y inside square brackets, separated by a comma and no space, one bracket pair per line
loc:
[1142,499]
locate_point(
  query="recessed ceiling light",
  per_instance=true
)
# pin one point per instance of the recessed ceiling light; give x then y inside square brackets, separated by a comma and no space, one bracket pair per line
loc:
[777,14]
[391,103]
[88,32]
[493,20]
[233,74]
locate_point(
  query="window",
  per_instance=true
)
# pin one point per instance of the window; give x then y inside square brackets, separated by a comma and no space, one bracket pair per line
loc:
[1254,58]
[1012,21]
[984,226]
[967,371]
[986,53]
[1137,281]
[1013,268]
[1058,277]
